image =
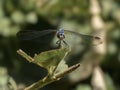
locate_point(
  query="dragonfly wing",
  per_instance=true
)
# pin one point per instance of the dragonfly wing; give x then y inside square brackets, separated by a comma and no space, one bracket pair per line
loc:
[95,40]
[32,34]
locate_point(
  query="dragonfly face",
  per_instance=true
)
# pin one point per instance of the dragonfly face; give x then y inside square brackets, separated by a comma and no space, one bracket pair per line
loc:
[60,34]
[61,37]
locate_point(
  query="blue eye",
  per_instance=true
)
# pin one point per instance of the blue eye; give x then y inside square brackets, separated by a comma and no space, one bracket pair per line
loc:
[61,34]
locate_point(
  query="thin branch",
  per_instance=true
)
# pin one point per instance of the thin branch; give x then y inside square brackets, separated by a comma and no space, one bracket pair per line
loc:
[49,79]
[70,69]
[26,56]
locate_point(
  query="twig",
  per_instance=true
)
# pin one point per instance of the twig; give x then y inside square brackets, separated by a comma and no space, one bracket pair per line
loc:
[26,56]
[49,79]
[70,69]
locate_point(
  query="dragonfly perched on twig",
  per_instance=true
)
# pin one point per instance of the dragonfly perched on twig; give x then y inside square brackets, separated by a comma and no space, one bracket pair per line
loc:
[60,33]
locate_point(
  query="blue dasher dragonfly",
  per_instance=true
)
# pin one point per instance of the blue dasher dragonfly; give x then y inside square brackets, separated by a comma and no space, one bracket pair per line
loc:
[60,33]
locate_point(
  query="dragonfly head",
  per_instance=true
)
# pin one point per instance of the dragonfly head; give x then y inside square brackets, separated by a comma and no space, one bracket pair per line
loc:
[60,33]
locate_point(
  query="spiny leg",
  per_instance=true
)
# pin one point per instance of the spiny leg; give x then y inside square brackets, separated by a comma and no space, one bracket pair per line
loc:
[65,43]
[58,43]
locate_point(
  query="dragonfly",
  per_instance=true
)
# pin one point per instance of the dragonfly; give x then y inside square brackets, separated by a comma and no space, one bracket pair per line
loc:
[60,33]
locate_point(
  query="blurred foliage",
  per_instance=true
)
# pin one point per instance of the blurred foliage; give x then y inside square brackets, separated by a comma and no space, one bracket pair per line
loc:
[6,81]
[83,87]
[18,15]
[109,83]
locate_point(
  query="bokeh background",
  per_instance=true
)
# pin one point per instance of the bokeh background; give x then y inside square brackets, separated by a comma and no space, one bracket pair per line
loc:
[100,64]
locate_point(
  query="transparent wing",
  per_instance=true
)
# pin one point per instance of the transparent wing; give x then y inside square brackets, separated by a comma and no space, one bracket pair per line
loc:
[95,40]
[32,34]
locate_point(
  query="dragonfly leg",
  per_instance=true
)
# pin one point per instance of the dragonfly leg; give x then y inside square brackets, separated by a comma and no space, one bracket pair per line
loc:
[58,43]
[65,43]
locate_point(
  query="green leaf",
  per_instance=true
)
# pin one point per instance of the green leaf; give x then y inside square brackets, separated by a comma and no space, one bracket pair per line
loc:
[50,59]
[61,67]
